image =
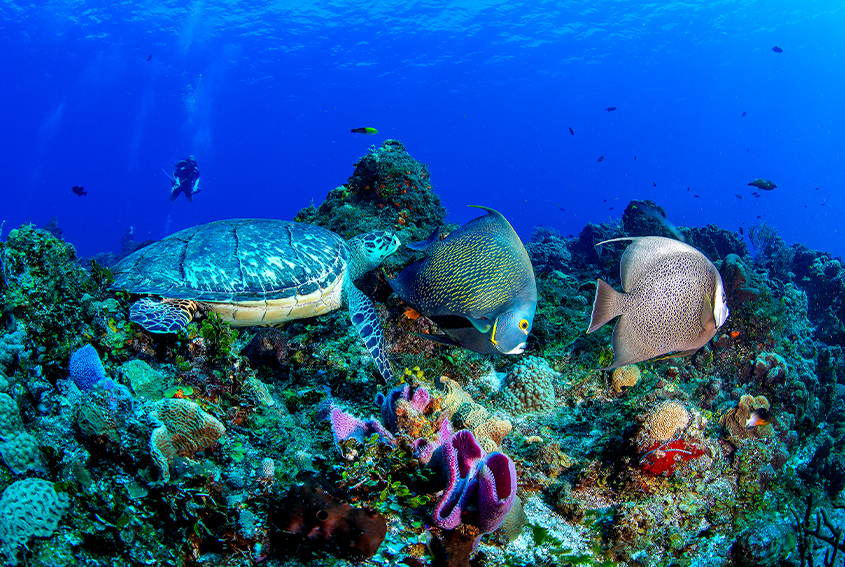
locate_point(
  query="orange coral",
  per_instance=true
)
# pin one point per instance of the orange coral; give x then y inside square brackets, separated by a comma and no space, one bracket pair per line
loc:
[183,429]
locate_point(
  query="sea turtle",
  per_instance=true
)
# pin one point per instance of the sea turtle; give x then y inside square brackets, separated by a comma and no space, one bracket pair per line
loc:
[255,272]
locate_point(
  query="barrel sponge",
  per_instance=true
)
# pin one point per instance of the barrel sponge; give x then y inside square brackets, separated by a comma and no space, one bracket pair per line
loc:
[21,453]
[10,417]
[29,508]
[529,388]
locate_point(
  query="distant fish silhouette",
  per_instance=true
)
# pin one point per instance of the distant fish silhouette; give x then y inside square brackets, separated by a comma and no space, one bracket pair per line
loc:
[364,131]
[764,184]
[777,49]
[150,56]
[601,158]
[610,108]
[79,190]
[737,195]
[571,131]
[655,183]
[744,114]
[741,231]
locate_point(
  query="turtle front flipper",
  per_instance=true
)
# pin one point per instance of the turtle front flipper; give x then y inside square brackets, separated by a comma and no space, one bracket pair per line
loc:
[162,316]
[366,321]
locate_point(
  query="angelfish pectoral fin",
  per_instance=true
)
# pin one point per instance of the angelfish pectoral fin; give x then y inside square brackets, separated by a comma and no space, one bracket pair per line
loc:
[482,324]
[366,322]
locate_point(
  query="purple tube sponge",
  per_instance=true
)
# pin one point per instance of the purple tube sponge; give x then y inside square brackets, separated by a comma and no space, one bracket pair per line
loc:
[85,368]
[345,426]
[418,399]
[480,488]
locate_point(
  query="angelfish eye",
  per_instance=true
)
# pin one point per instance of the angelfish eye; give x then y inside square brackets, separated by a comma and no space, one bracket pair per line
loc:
[523,324]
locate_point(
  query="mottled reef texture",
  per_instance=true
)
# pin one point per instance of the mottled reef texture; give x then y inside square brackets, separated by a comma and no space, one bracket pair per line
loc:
[216,447]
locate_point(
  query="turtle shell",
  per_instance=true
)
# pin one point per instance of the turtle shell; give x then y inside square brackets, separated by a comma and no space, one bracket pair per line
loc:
[237,261]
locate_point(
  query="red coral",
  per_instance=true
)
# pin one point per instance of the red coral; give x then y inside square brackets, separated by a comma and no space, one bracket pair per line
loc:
[664,458]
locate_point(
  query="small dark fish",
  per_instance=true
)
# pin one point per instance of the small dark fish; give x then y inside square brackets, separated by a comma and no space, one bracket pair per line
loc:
[737,195]
[697,196]
[571,130]
[364,131]
[759,217]
[635,157]
[758,417]
[610,108]
[79,190]
[817,188]
[755,193]
[822,204]
[764,184]
[741,231]
[150,56]
[744,114]
[688,188]
[601,158]
[655,183]
[777,49]
[610,209]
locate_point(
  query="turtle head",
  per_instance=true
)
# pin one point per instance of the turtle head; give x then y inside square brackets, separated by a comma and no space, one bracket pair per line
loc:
[372,248]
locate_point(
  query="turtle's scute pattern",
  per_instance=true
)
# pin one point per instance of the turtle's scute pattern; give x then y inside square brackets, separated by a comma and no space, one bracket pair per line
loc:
[237,260]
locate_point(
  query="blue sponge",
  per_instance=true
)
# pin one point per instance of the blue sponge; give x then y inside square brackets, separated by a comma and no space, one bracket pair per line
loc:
[86,368]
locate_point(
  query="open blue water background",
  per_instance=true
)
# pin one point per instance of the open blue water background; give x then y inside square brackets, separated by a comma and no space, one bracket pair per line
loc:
[264,95]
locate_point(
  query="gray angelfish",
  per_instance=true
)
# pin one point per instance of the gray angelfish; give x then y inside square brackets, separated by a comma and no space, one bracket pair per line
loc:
[673,301]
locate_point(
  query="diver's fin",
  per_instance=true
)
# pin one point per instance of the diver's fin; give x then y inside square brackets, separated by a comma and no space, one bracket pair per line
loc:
[423,244]
[162,316]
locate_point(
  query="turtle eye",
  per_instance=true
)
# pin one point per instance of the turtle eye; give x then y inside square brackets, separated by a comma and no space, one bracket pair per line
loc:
[523,324]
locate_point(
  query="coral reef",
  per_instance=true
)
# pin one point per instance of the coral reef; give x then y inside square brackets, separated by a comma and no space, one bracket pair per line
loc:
[529,387]
[182,428]
[311,513]
[29,508]
[215,447]
[625,377]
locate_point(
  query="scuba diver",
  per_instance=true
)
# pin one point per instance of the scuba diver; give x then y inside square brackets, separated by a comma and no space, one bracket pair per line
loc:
[185,179]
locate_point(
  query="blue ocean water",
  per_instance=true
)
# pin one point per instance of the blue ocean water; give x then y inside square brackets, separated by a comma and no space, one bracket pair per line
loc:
[105,95]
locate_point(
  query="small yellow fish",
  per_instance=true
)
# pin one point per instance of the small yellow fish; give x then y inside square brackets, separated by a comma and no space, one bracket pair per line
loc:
[364,131]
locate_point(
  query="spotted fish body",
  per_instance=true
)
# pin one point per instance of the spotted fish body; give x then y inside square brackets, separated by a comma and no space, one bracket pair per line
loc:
[481,275]
[673,301]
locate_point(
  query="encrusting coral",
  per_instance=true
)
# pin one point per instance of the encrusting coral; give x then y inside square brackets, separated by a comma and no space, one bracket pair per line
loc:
[183,428]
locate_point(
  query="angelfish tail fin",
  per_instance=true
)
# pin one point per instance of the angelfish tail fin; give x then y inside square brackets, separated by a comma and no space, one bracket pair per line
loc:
[606,305]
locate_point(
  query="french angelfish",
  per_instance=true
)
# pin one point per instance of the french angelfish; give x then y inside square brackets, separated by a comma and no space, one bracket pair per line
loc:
[477,284]
[673,301]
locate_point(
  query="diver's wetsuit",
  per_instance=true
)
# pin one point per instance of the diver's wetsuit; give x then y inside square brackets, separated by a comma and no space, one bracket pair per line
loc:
[186,179]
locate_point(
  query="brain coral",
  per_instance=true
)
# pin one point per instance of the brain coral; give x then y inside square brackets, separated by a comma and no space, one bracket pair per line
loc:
[21,453]
[29,508]
[529,388]
[625,377]
[663,422]
[183,429]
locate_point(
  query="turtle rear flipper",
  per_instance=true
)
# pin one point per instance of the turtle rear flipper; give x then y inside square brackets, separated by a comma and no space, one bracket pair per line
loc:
[366,321]
[162,316]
